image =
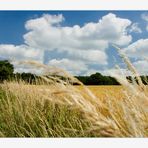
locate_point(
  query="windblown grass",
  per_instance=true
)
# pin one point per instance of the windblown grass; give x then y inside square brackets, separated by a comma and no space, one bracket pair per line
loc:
[60,109]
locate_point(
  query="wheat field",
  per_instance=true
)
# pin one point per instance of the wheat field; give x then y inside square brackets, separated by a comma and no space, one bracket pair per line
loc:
[71,111]
[60,109]
[104,91]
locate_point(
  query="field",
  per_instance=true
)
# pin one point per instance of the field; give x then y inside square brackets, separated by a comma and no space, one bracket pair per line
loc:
[61,110]
[104,91]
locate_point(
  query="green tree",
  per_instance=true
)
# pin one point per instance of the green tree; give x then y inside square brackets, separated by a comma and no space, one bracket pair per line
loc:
[96,79]
[6,70]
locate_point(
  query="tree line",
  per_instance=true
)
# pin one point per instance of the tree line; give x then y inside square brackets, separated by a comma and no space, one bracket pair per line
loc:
[97,79]
[7,73]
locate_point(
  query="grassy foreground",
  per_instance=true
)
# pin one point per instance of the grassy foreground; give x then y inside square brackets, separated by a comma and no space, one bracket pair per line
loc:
[61,110]
[26,112]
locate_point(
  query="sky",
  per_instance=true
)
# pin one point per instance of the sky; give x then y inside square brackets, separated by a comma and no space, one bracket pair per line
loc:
[79,42]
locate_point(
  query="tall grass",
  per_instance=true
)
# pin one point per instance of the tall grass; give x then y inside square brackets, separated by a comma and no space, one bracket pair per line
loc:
[58,109]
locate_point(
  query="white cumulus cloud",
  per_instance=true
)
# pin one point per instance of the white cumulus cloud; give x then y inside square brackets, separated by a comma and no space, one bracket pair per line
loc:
[141,66]
[85,45]
[46,35]
[138,49]
[21,52]
[74,67]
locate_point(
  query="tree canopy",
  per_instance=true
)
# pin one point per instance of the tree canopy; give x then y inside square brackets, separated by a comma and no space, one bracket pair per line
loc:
[97,79]
[6,70]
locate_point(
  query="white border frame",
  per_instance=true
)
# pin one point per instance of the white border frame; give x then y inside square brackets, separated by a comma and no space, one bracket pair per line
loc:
[73,4]
[73,142]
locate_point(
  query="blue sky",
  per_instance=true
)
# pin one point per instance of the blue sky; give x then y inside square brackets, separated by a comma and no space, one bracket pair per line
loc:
[24,35]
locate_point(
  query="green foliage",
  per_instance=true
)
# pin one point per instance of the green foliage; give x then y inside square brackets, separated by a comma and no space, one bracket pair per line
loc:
[97,79]
[27,77]
[143,78]
[6,70]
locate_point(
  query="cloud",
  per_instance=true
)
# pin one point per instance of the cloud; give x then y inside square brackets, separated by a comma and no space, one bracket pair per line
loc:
[144,16]
[85,44]
[46,35]
[89,56]
[139,52]
[74,67]
[135,28]
[115,71]
[21,52]
[138,49]
[141,66]
[27,69]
